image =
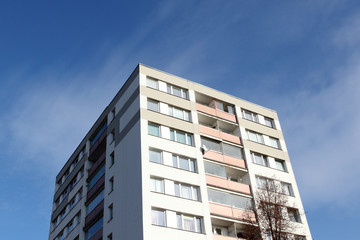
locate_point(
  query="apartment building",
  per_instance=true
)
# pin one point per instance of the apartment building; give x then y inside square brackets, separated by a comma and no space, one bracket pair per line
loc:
[172,159]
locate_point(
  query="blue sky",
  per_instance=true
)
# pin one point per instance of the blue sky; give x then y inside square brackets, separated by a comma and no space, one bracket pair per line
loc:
[61,62]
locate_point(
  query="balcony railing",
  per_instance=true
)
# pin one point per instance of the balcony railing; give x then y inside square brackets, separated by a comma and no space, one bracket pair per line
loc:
[227,184]
[216,112]
[219,134]
[216,156]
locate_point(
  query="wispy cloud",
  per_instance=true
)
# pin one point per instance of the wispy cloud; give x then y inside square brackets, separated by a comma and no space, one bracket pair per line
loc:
[323,129]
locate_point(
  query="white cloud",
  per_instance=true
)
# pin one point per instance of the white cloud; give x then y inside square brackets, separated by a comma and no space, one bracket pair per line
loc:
[323,131]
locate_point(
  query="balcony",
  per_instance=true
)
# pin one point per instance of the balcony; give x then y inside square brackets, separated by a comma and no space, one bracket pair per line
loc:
[96,188]
[216,156]
[219,134]
[227,184]
[216,112]
[230,212]
[98,147]
[94,215]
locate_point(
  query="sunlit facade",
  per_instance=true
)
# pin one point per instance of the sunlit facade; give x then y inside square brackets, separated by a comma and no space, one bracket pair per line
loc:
[172,159]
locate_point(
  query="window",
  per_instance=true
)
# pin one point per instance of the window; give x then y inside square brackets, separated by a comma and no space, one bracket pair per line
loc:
[179,113]
[264,183]
[256,137]
[189,223]
[231,150]
[280,165]
[111,184]
[95,201]
[112,159]
[233,200]
[211,144]
[154,129]
[157,185]
[269,122]
[158,217]
[94,228]
[181,137]
[215,169]
[294,215]
[287,189]
[98,134]
[184,163]
[109,237]
[155,156]
[153,105]
[274,142]
[152,83]
[110,210]
[186,191]
[250,115]
[96,177]
[259,159]
[177,91]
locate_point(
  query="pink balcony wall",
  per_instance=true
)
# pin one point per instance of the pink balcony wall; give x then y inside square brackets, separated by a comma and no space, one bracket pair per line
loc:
[230,138]
[220,237]
[234,161]
[209,131]
[215,112]
[227,211]
[226,184]
[225,159]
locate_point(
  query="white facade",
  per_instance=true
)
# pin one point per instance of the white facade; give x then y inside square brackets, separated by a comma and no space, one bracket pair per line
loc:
[169,158]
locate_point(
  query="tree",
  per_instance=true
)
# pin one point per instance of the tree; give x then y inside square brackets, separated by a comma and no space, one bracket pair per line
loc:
[271,212]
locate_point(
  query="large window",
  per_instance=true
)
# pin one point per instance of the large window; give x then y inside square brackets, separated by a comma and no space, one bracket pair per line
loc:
[233,200]
[154,129]
[259,159]
[95,202]
[96,177]
[94,228]
[181,137]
